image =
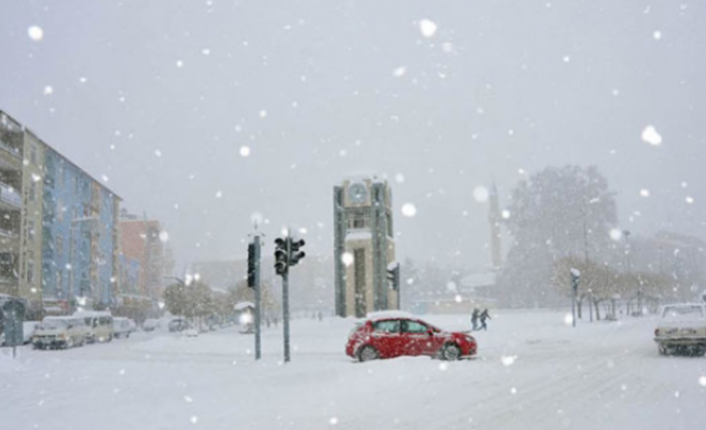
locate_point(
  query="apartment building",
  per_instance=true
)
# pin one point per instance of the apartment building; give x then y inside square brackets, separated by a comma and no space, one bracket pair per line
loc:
[58,226]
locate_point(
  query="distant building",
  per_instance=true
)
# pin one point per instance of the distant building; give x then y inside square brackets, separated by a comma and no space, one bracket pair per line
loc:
[364,246]
[142,249]
[310,281]
[58,226]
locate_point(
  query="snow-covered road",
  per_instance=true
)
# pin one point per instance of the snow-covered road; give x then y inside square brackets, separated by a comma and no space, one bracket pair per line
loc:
[533,371]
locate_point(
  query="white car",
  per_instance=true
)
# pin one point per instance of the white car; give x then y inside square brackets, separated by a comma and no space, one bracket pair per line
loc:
[150,325]
[122,327]
[60,332]
[99,323]
[682,328]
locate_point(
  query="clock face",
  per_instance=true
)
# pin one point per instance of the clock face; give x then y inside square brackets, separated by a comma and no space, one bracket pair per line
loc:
[358,193]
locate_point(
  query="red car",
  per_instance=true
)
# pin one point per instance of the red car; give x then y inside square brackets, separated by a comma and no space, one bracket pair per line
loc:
[389,336]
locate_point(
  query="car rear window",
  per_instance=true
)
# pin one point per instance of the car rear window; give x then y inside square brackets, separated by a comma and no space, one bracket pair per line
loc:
[683,312]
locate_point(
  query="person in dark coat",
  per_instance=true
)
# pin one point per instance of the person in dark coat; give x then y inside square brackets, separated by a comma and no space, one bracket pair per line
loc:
[474,319]
[483,317]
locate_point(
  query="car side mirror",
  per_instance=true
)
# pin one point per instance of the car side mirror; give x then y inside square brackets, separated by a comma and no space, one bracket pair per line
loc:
[430,332]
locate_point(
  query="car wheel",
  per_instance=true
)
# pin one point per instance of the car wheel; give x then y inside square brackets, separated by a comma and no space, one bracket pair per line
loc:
[451,352]
[662,350]
[368,353]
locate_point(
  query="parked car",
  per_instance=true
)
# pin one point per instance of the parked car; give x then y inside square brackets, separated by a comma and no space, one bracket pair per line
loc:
[178,325]
[122,327]
[99,323]
[394,334]
[682,328]
[150,325]
[60,332]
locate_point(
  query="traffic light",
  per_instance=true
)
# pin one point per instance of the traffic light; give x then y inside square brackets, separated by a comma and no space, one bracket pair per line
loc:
[287,254]
[281,256]
[393,275]
[294,253]
[575,278]
[251,265]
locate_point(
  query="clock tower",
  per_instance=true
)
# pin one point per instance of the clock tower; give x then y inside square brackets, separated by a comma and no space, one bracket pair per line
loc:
[364,245]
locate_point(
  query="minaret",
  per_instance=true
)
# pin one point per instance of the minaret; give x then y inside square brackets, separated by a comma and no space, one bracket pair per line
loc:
[494,218]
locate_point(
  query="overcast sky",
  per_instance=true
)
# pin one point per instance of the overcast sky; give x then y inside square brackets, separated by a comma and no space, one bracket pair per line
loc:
[160,97]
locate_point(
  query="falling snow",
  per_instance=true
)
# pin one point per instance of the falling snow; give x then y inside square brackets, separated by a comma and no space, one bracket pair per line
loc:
[35,33]
[650,135]
[409,210]
[427,27]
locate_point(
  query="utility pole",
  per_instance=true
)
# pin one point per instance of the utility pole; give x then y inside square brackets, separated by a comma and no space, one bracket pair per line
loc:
[255,284]
[285,303]
[287,254]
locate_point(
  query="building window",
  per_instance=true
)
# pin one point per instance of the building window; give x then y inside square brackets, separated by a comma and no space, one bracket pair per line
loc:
[59,246]
[59,283]
[32,191]
[30,272]
[30,230]
[60,209]
[358,221]
[33,155]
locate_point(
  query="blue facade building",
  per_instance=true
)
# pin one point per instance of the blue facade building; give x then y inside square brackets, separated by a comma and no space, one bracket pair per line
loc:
[79,233]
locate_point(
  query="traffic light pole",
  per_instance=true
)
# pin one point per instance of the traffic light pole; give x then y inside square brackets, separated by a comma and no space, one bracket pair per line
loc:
[285,303]
[285,316]
[258,299]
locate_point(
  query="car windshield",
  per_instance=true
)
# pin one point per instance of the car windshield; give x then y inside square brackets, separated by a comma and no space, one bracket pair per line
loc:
[53,324]
[683,312]
[353,214]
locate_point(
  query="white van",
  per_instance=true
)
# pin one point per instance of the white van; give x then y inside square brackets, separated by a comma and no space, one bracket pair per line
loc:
[122,327]
[60,332]
[100,325]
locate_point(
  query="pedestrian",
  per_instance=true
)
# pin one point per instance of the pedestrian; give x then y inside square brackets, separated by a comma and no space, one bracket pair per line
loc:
[483,317]
[474,319]
[320,316]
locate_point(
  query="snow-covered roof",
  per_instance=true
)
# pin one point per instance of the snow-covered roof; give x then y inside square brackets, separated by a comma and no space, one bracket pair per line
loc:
[243,305]
[381,315]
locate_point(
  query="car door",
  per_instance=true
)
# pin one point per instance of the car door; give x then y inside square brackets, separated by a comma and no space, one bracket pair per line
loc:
[415,335]
[386,338]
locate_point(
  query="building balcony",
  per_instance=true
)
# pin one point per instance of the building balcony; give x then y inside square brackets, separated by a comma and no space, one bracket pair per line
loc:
[9,197]
[9,241]
[10,157]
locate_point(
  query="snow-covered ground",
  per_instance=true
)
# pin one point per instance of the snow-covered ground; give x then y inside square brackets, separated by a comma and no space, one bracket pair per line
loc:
[533,372]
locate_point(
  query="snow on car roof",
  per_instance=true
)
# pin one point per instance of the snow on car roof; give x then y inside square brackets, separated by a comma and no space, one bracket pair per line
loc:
[388,314]
[85,314]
